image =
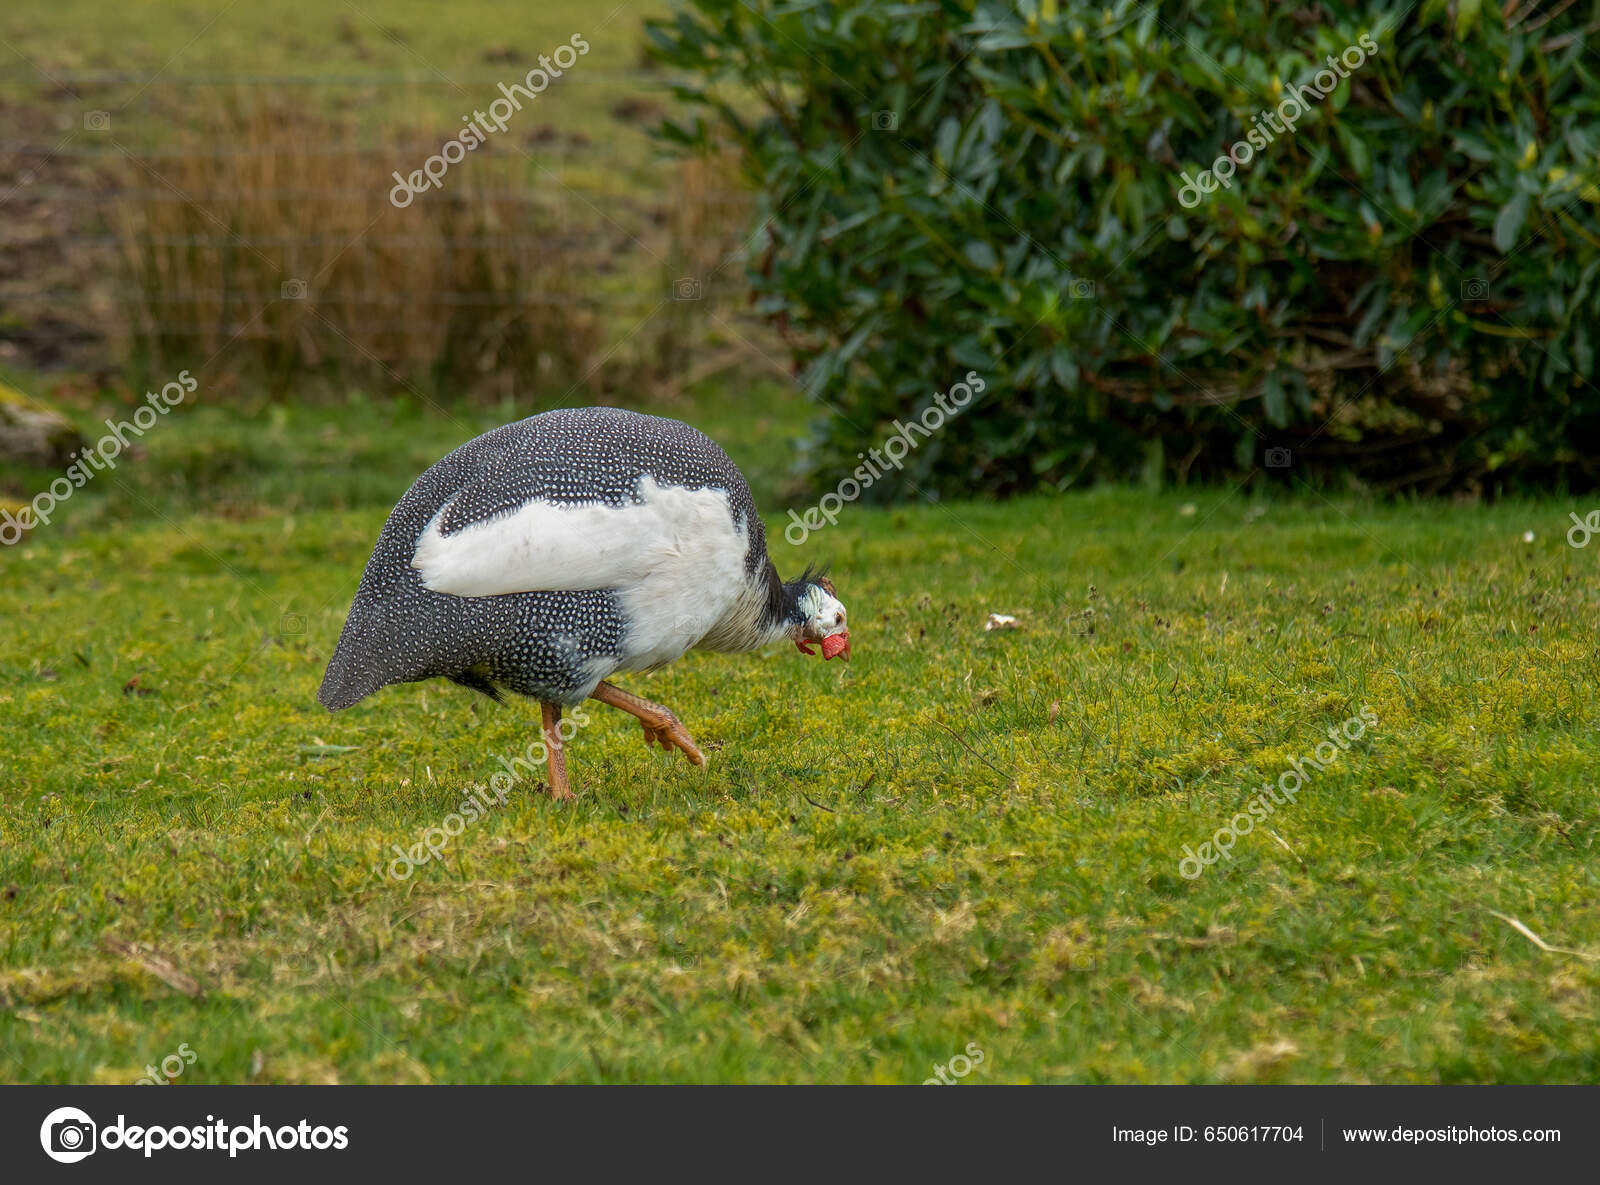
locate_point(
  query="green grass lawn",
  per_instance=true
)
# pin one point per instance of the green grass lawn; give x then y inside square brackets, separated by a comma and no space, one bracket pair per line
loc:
[963,837]
[140,56]
[384,67]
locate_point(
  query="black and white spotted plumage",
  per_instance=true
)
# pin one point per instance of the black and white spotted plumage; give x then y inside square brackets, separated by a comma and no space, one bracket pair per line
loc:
[547,554]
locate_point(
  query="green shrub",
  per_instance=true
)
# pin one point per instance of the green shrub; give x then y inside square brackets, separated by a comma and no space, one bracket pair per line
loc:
[1401,290]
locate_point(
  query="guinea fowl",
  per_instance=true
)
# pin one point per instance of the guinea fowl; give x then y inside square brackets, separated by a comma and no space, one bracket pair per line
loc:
[549,554]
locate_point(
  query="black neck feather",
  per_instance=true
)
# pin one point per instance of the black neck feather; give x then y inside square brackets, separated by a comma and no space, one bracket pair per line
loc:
[783,599]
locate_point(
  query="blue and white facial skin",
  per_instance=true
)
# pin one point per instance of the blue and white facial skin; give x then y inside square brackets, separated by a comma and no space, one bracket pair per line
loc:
[823,621]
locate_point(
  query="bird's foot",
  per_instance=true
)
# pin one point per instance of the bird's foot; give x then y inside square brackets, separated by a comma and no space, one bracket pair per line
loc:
[661,727]
[670,734]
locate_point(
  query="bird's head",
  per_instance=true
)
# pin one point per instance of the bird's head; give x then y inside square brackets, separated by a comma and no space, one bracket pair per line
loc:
[820,619]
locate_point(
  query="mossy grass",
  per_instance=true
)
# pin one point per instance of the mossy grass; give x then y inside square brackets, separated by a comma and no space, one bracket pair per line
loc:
[965,835]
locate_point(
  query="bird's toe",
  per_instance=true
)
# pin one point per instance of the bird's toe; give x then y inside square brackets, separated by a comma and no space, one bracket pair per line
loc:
[678,737]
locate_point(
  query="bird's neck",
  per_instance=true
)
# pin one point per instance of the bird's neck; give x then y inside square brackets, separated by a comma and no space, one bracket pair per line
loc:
[784,613]
[766,612]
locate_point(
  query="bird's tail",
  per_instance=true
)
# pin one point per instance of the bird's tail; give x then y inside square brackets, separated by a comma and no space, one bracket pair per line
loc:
[350,676]
[340,688]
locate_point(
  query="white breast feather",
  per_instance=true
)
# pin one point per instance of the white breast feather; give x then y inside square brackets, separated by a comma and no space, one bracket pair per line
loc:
[675,558]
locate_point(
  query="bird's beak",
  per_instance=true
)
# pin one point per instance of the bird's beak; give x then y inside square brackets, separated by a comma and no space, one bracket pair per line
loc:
[836,645]
[833,645]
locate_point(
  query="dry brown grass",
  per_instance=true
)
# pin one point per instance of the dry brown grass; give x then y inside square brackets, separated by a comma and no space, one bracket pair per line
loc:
[267,242]
[255,240]
[705,225]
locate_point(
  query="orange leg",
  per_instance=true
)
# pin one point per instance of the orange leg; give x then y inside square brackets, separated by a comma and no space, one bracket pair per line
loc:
[550,716]
[661,727]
